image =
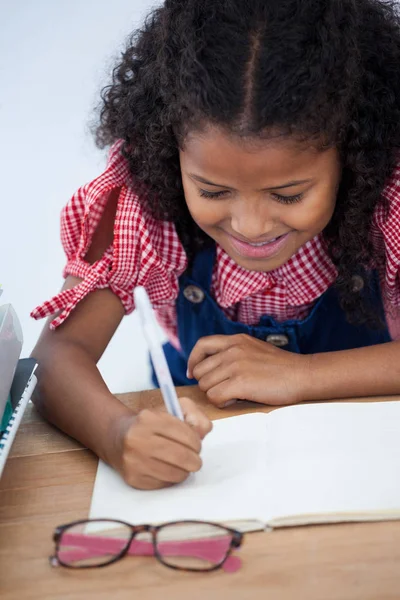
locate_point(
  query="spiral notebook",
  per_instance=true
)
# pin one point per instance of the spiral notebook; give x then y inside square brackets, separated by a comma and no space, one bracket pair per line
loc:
[22,387]
[297,465]
[11,339]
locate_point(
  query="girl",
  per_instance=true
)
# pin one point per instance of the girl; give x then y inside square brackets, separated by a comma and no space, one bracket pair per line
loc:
[253,188]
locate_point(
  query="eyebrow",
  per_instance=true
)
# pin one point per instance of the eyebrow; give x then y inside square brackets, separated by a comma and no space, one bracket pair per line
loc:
[276,187]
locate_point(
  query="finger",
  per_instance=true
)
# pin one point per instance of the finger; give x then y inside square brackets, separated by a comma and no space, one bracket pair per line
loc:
[170,428]
[165,472]
[215,377]
[145,482]
[175,455]
[224,393]
[207,346]
[139,478]
[195,417]
[208,364]
[147,467]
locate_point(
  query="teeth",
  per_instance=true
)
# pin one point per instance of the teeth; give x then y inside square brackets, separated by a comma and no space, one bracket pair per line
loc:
[264,243]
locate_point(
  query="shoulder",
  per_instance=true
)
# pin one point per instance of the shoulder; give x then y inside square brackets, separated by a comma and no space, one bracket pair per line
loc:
[86,206]
[112,241]
[112,209]
[386,218]
[385,236]
[391,196]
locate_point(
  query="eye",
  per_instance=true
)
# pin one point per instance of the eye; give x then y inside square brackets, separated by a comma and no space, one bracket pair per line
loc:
[207,194]
[288,199]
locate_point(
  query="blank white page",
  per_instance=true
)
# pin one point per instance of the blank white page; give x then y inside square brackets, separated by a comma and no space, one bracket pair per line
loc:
[334,458]
[227,487]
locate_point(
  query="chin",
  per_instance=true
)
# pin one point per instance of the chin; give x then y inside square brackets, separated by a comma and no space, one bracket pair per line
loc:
[260,265]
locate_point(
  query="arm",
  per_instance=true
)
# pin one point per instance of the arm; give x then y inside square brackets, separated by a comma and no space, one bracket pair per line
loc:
[71,393]
[242,367]
[151,449]
[371,371]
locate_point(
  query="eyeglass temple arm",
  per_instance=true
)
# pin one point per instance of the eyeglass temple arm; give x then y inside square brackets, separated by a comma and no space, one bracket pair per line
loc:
[91,546]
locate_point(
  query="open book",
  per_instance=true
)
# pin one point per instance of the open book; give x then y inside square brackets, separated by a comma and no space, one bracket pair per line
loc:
[296,465]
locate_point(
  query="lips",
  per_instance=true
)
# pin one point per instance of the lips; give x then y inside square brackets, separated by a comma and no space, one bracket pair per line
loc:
[259,249]
[258,244]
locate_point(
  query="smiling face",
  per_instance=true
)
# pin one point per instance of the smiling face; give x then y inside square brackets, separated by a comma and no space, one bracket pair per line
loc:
[260,200]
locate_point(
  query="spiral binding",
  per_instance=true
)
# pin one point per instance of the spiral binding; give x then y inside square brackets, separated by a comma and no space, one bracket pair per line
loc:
[8,436]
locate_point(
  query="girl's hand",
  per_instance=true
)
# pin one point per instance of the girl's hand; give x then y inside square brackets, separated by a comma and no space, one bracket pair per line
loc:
[232,367]
[155,450]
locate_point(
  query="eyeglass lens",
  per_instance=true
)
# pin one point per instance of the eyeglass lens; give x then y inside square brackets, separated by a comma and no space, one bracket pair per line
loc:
[188,545]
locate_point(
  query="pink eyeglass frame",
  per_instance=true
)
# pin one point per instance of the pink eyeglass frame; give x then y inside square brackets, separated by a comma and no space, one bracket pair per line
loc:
[204,548]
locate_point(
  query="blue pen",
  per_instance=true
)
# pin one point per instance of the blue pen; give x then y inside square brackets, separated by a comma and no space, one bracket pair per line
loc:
[151,334]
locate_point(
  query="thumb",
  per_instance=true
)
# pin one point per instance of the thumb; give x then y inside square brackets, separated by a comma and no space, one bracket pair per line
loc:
[195,417]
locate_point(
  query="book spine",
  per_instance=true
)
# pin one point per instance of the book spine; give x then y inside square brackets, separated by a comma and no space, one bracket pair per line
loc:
[8,436]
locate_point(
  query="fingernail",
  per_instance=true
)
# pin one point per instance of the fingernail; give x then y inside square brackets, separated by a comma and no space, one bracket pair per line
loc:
[187,374]
[230,403]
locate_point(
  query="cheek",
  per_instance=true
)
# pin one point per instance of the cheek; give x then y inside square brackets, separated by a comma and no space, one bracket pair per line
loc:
[206,212]
[311,216]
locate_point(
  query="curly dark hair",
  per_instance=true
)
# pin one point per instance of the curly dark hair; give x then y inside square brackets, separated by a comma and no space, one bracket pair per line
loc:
[311,68]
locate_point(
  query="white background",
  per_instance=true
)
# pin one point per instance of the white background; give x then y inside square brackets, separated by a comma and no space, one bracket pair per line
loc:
[54,58]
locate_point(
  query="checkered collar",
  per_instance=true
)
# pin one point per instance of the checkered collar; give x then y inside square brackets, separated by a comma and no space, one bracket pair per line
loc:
[306,276]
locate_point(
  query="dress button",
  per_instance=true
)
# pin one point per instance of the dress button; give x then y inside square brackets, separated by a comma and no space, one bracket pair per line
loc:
[358,283]
[277,339]
[193,294]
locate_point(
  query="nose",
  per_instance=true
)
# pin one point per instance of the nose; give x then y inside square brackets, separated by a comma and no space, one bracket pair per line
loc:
[252,221]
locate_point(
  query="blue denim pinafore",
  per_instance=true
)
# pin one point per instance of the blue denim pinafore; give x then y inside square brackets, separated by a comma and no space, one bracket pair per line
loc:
[325,329]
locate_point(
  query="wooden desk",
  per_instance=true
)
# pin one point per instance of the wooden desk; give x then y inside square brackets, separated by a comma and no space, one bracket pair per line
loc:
[49,479]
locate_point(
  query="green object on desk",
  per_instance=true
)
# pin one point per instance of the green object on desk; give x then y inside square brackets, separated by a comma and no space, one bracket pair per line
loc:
[6,415]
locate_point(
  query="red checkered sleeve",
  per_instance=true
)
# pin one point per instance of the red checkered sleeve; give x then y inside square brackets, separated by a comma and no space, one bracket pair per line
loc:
[144,251]
[386,239]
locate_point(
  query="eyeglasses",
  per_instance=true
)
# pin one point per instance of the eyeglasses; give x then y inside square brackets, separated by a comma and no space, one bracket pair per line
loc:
[183,545]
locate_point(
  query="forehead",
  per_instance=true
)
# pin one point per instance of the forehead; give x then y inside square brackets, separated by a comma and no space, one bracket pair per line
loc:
[225,158]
